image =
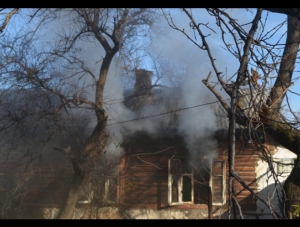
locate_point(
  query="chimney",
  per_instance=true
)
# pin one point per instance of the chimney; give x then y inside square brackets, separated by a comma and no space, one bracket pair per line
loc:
[142,89]
[143,82]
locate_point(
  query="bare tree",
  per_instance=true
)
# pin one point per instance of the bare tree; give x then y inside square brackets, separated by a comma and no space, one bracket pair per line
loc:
[7,14]
[252,47]
[27,68]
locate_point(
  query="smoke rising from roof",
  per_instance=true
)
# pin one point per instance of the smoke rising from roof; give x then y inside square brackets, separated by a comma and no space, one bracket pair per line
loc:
[170,45]
[192,123]
[195,125]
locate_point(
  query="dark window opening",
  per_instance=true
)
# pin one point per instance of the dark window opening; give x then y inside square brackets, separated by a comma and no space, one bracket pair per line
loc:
[186,190]
[180,182]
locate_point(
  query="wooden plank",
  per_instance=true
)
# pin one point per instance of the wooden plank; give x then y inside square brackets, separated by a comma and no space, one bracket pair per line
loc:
[246,174]
[132,175]
[248,178]
[142,177]
[145,200]
[141,158]
[135,186]
[139,185]
[150,185]
[145,194]
[245,168]
[147,168]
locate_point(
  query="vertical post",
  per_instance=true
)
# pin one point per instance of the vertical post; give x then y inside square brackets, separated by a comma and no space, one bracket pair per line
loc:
[121,184]
[233,201]
[209,203]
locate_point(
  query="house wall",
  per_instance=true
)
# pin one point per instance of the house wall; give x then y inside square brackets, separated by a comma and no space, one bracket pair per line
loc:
[270,192]
[245,165]
[144,183]
[144,178]
[143,188]
[255,172]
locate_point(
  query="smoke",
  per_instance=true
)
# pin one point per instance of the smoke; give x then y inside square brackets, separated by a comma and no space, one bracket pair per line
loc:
[196,125]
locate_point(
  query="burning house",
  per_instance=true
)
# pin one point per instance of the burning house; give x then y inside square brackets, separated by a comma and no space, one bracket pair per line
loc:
[169,172]
[164,174]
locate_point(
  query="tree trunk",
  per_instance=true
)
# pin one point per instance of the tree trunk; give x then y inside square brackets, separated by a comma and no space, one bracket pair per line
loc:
[68,209]
[293,12]
[283,133]
[287,65]
[95,143]
[292,189]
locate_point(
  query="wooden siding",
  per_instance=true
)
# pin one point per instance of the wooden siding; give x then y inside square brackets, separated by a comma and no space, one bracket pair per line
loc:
[144,175]
[144,172]
[245,167]
[144,178]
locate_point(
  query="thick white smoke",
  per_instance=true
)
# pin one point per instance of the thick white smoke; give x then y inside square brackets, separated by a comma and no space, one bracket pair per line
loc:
[195,124]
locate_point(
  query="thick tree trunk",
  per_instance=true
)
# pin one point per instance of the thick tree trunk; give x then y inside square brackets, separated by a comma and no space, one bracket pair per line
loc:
[285,134]
[95,143]
[289,138]
[293,12]
[287,65]
[270,114]
[292,189]
[68,209]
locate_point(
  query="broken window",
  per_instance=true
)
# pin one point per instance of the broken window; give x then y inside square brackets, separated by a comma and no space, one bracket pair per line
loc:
[180,182]
[218,182]
[185,187]
[285,165]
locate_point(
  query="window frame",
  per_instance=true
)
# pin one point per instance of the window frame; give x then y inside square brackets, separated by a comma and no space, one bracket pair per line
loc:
[107,190]
[223,184]
[179,183]
[283,163]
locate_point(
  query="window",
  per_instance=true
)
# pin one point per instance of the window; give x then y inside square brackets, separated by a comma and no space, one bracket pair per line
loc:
[105,191]
[180,182]
[86,194]
[218,182]
[110,190]
[285,165]
[186,186]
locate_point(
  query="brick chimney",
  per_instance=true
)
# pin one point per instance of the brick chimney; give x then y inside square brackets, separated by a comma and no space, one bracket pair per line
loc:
[143,89]
[143,81]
